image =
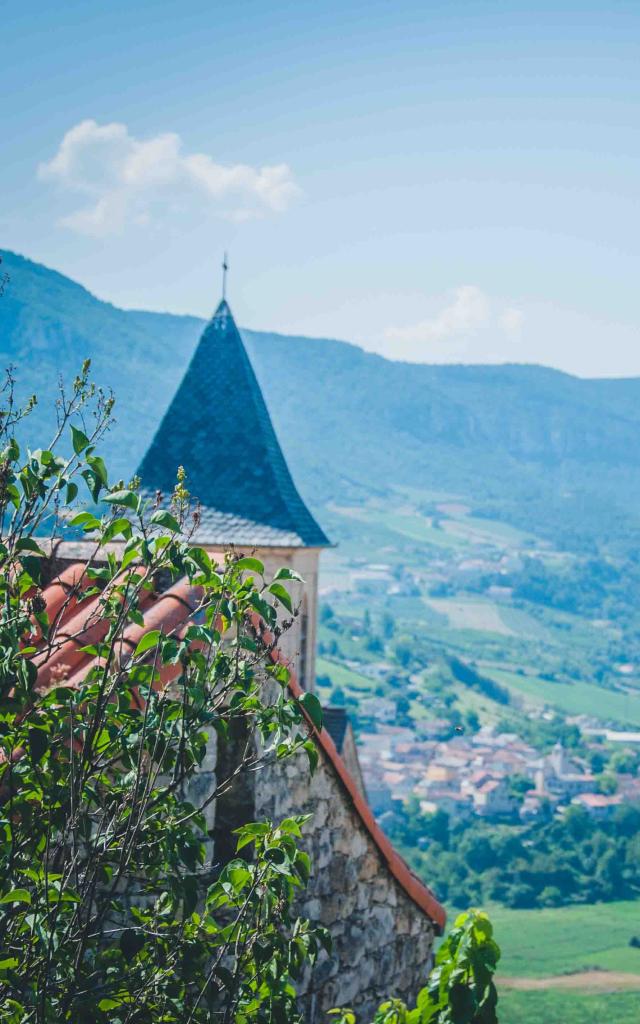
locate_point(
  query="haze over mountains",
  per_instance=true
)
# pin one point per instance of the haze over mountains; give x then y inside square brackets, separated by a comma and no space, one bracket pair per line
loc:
[528,444]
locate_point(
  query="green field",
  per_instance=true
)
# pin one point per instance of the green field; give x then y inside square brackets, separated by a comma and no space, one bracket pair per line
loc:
[579,698]
[546,943]
[553,1007]
[342,676]
[413,526]
[487,531]
[526,625]
[539,943]
[467,613]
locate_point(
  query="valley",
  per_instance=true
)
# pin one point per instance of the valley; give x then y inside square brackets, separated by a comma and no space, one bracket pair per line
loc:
[480,610]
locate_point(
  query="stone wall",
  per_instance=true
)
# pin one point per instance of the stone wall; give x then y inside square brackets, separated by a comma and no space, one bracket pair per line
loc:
[382,940]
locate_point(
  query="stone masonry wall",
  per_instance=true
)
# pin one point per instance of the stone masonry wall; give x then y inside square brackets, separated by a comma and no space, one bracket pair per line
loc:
[382,940]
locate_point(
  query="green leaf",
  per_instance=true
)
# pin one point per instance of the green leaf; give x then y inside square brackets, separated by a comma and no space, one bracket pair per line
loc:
[99,468]
[109,1004]
[86,520]
[130,556]
[266,610]
[312,755]
[9,963]
[72,492]
[128,499]
[131,942]
[16,896]
[118,526]
[288,574]
[164,518]
[29,544]
[93,482]
[38,744]
[80,440]
[313,708]
[251,564]
[282,595]
[148,641]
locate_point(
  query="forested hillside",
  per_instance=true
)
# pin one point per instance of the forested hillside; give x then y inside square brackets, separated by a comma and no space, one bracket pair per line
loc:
[523,443]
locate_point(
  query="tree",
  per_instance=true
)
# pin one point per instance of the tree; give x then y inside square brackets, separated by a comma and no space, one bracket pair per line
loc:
[388,625]
[577,822]
[403,711]
[110,909]
[477,851]
[374,644]
[326,612]
[551,896]
[471,720]
[625,761]
[626,820]
[520,784]
[403,650]
[607,784]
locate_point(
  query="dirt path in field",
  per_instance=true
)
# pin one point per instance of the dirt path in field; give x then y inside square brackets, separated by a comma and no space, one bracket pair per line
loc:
[586,981]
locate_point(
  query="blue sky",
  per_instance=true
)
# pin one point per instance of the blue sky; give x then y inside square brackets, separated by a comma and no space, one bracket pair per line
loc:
[435,181]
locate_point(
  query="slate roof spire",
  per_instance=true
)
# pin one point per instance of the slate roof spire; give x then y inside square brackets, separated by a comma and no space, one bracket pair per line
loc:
[218,427]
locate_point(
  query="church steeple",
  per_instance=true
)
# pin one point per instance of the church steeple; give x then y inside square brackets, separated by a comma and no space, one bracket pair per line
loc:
[218,427]
[225,268]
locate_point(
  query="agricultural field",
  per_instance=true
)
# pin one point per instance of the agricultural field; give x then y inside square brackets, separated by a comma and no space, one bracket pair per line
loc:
[405,523]
[570,965]
[584,938]
[342,676]
[557,1007]
[433,566]
[466,613]
[574,698]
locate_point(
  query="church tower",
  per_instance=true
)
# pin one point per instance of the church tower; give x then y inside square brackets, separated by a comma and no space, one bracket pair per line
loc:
[218,428]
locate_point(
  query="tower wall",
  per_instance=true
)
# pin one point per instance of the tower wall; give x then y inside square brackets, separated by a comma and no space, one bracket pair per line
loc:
[298,642]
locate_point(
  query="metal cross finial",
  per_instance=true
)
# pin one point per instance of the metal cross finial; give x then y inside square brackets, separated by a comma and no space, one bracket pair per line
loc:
[225,267]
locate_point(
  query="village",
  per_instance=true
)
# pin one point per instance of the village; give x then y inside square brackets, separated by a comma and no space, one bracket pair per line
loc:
[495,775]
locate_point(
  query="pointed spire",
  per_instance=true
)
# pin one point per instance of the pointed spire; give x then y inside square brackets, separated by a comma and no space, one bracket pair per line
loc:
[225,267]
[218,427]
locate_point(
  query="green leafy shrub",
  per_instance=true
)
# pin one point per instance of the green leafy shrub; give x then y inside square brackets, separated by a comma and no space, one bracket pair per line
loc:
[460,989]
[111,909]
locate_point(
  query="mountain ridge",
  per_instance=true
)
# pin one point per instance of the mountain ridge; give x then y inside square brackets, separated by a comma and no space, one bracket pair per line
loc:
[351,422]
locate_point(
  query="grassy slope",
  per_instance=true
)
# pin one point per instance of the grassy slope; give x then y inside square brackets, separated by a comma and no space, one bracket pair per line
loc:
[574,698]
[342,676]
[543,943]
[553,1007]
[583,938]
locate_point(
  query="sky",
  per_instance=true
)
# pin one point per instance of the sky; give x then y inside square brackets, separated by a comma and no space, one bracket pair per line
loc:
[435,181]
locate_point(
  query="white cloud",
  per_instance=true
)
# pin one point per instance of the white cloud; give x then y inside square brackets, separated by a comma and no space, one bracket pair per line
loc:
[511,320]
[462,326]
[129,180]
[468,310]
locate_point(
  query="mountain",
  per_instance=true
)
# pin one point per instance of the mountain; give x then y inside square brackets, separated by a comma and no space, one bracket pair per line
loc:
[530,444]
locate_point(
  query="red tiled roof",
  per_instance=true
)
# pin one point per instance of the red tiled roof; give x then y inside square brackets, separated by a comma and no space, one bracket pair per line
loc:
[489,786]
[597,800]
[172,610]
